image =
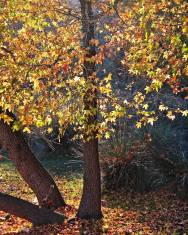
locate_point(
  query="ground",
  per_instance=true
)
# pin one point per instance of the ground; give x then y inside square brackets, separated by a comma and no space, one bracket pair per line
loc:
[159,212]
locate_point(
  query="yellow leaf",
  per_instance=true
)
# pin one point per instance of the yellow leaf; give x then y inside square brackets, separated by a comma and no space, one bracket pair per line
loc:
[27,130]
[138,125]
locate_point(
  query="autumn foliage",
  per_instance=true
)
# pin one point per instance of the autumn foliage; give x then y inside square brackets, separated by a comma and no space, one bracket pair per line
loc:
[55,72]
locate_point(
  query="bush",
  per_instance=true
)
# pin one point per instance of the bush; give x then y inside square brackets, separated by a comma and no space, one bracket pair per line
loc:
[145,159]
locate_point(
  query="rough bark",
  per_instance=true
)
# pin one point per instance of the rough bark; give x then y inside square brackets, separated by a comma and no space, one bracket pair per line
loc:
[30,168]
[90,205]
[29,211]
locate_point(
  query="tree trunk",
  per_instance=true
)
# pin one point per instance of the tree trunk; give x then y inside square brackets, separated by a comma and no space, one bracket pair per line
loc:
[29,211]
[90,205]
[30,168]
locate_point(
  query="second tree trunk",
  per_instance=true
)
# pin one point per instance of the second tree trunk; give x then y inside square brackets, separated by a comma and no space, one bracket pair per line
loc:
[30,168]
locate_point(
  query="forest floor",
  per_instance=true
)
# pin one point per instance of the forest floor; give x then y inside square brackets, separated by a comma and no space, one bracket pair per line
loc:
[159,212]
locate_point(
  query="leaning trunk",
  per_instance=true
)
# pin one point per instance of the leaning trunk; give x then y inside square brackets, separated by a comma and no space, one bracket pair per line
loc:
[90,205]
[28,211]
[30,168]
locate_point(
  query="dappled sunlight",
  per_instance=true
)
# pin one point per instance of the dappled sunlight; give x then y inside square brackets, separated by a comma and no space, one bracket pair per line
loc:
[159,212]
[93,94]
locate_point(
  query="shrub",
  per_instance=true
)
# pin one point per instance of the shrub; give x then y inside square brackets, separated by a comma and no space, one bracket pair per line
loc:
[144,159]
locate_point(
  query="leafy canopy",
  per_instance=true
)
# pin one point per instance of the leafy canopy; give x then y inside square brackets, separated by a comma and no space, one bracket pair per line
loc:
[42,58]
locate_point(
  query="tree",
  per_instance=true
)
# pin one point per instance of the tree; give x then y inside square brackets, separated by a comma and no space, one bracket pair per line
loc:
[30,168]
[51,69]
[90,206]
[13,141]
[153,36]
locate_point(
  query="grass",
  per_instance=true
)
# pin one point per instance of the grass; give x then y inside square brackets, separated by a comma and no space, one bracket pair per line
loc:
[159,212]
